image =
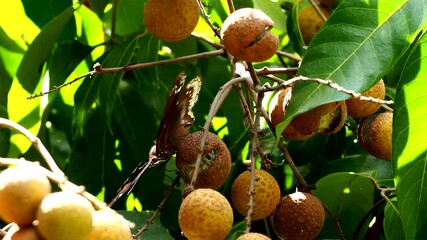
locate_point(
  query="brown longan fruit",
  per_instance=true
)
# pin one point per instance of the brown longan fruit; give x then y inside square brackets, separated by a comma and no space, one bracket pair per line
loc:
[171,20]
[375,135]
[22,188]
[301,127]
[360,108]
[299,216]
[245,35]
[265,198]
[216,160]
[205,214]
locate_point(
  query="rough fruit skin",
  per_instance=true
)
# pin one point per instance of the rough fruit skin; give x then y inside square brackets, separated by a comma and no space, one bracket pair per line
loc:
[375,134]
[266,194]
[253,236]
[64,216]
[359,108]
[301,127]
[310,22]
[245,35]
[22,233]
[22,188]
[277,112]
[299,216]
[216,160]
[324,108]
[171,20]
[205,214]
[108,225]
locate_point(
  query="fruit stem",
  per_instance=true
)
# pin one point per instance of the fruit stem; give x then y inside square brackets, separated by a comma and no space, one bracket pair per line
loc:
[231,6]
[208,21]
[36,143]
[159,207]
[216,104]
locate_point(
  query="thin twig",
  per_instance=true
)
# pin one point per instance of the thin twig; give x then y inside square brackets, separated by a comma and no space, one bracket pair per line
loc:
[216,104]
[61,180]
[328,83]
[231,6]
[335,220]
[207,40]
[288,55]
[98,69]
[318,10]
[267,71]
[254,149]
[366,216]
[36,143]
[159,208]
[208,21]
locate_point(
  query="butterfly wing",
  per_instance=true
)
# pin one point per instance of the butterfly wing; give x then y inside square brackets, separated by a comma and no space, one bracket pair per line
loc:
[164,148]
[177,117]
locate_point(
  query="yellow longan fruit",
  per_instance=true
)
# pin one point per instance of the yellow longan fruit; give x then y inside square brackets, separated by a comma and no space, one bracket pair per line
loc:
[64,216]
[22,188]
[108,225]
[171,20]
[360,108]
[205,214]
[253,236]
[265,198]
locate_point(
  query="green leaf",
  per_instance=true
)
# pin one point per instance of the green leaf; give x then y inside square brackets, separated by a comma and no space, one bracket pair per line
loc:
[59,69]
[8,43]
[349,196]
[356,47]
[102,89]
[43,11]
[393,228]
[155,231]
[129,17]
[98,6]
[29,70]
[409,138]
[272,9]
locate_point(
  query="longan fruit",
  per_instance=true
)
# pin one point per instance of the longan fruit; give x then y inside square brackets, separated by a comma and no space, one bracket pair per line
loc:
[205,214]
[64,216]
[171,20]
[245,35]
[299,216]
[360,108]
[265,198]
[216,160]
[375,135]
[22,188]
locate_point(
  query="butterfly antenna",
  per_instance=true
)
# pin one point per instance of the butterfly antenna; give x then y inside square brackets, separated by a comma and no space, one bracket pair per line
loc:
[130,183]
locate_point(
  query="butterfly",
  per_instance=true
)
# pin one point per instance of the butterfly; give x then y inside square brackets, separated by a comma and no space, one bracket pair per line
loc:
[177,118]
